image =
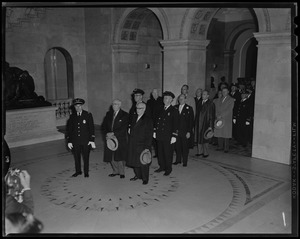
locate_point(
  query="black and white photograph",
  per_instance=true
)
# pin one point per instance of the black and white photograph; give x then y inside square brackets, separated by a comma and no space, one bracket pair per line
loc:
[145,118]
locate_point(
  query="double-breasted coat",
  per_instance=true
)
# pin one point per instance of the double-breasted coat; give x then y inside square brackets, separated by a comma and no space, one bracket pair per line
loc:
[80,129]
[224,110]
[186,123]
[206,120]
[120,131]
[140,138]
[166,125]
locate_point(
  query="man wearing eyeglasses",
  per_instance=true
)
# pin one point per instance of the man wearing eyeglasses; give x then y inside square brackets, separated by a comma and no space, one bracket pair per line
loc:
[140,138]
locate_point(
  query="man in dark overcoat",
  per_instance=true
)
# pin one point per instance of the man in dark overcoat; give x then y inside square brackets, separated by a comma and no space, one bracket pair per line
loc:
[185,131]
[206,120]
[166,132]
[198,101]
[242,118]
[154,105]
[140,138]
[115,124]
[80,135]
[137,95]
[234,93]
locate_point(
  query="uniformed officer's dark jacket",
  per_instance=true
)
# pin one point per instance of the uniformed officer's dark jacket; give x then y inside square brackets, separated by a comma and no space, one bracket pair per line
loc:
[243,112]
[167,122]
[186,120]
[80,129]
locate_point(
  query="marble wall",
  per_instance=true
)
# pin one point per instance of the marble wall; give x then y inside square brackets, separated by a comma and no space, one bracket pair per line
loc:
[26,45]
[272,116]
[98,30]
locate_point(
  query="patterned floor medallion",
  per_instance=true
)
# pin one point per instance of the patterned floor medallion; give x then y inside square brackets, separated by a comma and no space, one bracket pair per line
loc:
[116,194]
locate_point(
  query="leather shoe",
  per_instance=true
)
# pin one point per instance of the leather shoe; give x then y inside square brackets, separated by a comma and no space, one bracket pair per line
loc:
[122,176]
[184,165]
[176,163]
[199,154]
[134,178]
[76,174]
[219,149]
[158,170]
[86,175]
[166,174]
[145,182]
[112,174]
[226,151]
[205,156]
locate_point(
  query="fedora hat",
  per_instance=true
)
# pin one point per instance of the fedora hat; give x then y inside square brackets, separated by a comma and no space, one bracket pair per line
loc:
[209,133]
[145,157]
[219,123]
[112,143]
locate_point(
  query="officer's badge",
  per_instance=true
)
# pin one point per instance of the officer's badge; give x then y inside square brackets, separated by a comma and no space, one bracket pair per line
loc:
[169,114]
[187,107]
[84,121]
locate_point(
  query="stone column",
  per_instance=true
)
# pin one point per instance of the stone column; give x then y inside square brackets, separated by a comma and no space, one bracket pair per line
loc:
[272,116]
[184,63]
[228,65]
[124,72]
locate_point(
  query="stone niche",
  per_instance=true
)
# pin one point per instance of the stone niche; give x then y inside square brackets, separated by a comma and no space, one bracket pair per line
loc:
[31,126]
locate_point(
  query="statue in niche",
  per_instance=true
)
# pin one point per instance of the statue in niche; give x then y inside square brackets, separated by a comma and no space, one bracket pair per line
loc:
[19,90]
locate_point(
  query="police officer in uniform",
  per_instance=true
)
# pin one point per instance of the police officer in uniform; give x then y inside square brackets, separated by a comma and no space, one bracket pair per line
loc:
[166,132]
[81,136]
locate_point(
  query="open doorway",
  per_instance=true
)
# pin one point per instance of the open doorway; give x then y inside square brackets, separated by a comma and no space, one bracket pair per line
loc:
[232,58]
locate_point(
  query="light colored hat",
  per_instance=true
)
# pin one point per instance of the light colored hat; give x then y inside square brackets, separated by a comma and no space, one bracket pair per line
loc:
[145,157]
[112,143]
[209,133]
[219,123]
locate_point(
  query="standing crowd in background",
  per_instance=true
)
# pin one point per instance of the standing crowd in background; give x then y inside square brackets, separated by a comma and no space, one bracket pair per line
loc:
[153,129]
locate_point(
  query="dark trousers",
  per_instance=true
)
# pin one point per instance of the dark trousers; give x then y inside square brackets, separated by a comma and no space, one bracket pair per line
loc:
[182,149]
[154,144]
[165,155]
[142,172]
[223,142]
[83,150]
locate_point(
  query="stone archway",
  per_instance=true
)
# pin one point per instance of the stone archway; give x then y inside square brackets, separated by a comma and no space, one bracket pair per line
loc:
[136,16]
[136,39]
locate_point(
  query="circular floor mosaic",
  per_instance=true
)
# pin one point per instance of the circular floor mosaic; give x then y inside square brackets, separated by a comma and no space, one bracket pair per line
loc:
[115,194]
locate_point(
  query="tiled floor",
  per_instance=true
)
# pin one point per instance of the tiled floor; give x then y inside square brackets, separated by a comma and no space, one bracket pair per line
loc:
[224,193]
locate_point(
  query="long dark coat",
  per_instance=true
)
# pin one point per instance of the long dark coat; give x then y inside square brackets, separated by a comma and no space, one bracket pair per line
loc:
[186,123]
[140,138]
[120,131]
[206,120]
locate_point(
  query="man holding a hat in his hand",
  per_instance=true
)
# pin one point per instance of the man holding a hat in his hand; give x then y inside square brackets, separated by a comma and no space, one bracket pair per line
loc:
[115,127]
[140,138]
[81,136]
[205,124]
[223,126]
[166,132]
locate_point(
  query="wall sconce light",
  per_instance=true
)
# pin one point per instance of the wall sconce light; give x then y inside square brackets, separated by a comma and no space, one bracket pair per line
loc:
[147,66]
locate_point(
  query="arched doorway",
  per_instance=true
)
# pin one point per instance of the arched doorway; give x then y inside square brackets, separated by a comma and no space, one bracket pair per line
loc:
[59,82]
[233,49]
[137,56]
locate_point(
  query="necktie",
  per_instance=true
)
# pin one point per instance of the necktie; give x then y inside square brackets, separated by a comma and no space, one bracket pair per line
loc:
[223,99]
[203,102]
